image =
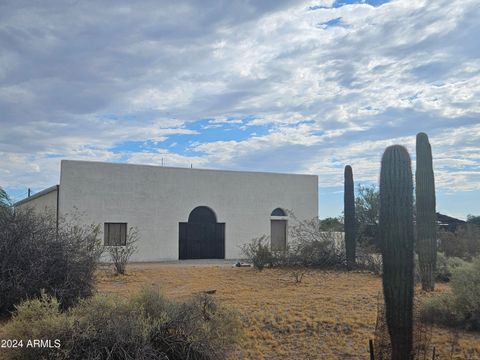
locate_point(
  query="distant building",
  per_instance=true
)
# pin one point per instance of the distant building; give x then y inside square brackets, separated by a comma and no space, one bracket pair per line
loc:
[448,223]
[180,213]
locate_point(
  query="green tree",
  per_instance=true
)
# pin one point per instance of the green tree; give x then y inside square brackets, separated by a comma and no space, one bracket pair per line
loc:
[473,219]
[367,205]
[5,202]
[4,199]
[367,209]
[331,224]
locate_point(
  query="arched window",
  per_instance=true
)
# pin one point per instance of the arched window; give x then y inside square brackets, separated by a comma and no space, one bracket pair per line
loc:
[202,214]
[278,212]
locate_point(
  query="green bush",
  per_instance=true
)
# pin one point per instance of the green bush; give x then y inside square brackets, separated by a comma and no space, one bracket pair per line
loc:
[38,318]
[446,266]
[36,255]
[441,309]
[108,327]
[460,307]
[463,243]
[145,327]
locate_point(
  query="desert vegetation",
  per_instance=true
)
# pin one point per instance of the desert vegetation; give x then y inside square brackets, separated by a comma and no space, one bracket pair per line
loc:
[459,307]
[396,233]
[120,254]
[329,315]
[463,243]
[308,248]
[349,215]
[146,326]
[426,227]
[37,255]
[404,229]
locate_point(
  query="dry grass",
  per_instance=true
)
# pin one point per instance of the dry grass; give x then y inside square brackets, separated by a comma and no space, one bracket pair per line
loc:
[328,316]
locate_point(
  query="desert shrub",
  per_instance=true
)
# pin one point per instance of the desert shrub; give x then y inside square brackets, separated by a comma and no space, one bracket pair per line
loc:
[464,243]
[153,304]
[258,252]
[308,247]
[460,307]
[35,255]
[317,253]
[369,259]
[38,318]
[311,247]
[198,329]
[120,255]
[108,327]
[446,266]
[441,309]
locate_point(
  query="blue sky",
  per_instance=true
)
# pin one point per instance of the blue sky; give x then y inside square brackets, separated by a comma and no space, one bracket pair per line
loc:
[285,86]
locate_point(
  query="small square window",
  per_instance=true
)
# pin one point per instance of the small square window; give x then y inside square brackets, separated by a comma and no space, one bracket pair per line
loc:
[115,234]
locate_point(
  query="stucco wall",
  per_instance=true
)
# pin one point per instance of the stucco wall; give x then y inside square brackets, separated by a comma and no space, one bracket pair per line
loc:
[41,203]
[155,199]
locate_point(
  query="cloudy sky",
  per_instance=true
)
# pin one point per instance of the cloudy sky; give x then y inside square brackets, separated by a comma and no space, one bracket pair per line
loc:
[284,86]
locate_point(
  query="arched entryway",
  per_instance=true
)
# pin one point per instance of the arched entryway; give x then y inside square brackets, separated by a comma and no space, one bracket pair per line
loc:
[278,230]
[202,237]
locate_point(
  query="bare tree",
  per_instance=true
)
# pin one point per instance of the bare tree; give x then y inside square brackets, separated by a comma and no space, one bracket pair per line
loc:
[312,247]
[308,248]
[120,254]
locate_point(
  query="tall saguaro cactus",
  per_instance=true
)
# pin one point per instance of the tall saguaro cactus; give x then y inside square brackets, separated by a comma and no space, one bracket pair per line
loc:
[426,218]
[397,240]
[349,213]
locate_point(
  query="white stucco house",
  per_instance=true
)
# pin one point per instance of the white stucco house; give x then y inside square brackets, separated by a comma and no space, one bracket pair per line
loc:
[179,213]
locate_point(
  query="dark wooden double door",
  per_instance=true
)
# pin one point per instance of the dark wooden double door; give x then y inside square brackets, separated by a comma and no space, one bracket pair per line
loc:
[201,237]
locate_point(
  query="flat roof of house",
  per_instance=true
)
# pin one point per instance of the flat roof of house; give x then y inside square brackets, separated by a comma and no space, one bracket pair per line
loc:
[55,187]
[185,168]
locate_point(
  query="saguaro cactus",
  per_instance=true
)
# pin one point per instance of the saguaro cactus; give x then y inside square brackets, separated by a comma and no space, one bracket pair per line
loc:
[397,242]
[426,218]
[349,213]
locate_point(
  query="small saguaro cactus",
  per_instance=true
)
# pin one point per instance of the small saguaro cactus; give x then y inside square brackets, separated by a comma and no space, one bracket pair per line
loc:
[426,218]
[349,213]
[397,242]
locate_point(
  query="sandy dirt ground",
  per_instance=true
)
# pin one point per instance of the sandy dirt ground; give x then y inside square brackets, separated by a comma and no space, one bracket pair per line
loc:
[329,315]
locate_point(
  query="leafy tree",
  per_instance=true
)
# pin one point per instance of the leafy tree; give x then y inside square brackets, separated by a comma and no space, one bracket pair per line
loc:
[473,219]
[4,199]
[367,210]
[331,224]
[367,205]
